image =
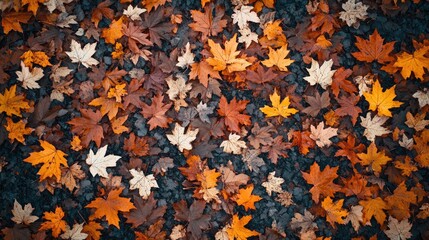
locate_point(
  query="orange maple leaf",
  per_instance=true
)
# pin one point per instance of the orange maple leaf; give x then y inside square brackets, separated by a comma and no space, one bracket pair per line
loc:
[110,207]
[203,70]
[246,199]
[208,178]
[156,112]
[349,150]
[373,207]
[334,211]
[382,101]
[33,5]
[194,167]
[278,58]
[422,148]
[51,158]
[87,127]
[374,49]
[114,32]
[205,23]
[11,21]
[93,230]
[373,158]
[322,181]
[109,106]
[415,63]
[54,222]
[232,113]
[37,57]
[17,130]
[226,58]
[12,104]
[153,4]
[399,202]
[237,229]
[303,141]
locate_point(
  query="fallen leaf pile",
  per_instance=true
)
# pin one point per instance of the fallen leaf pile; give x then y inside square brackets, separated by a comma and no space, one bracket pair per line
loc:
[214,119]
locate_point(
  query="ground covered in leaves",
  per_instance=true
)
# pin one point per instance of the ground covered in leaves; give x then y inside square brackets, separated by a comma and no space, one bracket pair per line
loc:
[242,119]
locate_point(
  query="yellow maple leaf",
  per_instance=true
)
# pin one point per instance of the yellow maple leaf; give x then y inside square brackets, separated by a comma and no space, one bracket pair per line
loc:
[12,104]
[374,207]
[33,5]
[208,178]
[373,158]
[334,211]
[54,222]
[114,32]
[51,158]
[237,230]
[415,63]
[226,58]
[278,108]
[382,101]
[108,106]
[17,130]
[278,58]
[37,57]
[117,92]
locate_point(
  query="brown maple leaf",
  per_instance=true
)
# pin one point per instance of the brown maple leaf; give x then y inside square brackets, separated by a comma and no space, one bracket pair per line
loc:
[232,113]
[317,103]
[156,112]
[322,181]
[197,221]
[147,212]
[348,107]
[203,70]
[87,127]
[349,149]
[205,23]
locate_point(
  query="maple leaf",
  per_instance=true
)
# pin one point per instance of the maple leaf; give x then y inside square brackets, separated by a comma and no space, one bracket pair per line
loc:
[374,49]
[322,181]
[114,32]
[320,74]
[352,12]
[417,122]
[156,112]
[373,158]
[110,207]
[355,217]
[75,233]
[273,184]
[187,57]
[51,158]
[398,230]
[146,212]
[348,107]
[87,127]
[277,148]
[373,126]
[278,58]
[93,228]
[17,130]
[317,103]
[23,214]
[246,198]
[12,104]
[117,124]
[415,63]
[134,12]
[205,23]
[54,222]
[82,55]
[101,10]
[421,148]
[181,139]
[142,183]
[339,82]
[98,162]
[233,144]
[197,221]
[153,4]
[135,35]
[237,229]
[33,5]
[252,159]
[247,36]
[203,70]
[37,57]
[244,15]
[373,207]
[69,174]
[399,202]
[349,150]
[232,181]
[303,141]
[305,222]
[226,58]
[29,79]
[422,97]
[231,113]
[109,106]
[322,135]
[12,21]
[334,211]
[382,101]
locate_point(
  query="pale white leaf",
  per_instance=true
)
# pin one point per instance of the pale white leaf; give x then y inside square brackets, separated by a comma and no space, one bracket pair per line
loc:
[320,74]
[56,4]
[273,184]
[322,135]
[233,144]
[59,72]
[373,126]
[355,217]
[75,233]
[142,183]
[243,15]
[181,139]
[29,79]
[305,222]
[134,12]
[353,12]
[64,20]
[422,97]
[84,56]
[406,142]
[99,162]
[247,36]
[23,215]
[187,57]
[204,110]
[177,88]
[398,230]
